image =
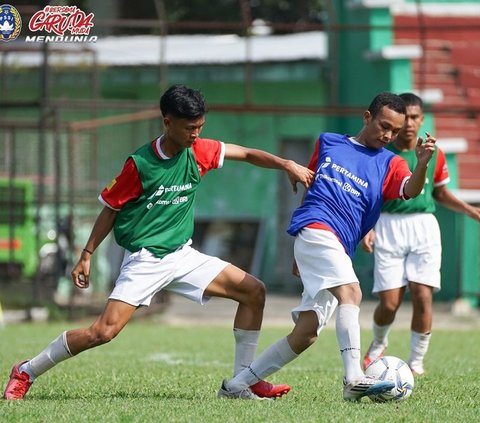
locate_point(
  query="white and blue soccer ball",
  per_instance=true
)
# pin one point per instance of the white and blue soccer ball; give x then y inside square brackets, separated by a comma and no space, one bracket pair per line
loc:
[396,370]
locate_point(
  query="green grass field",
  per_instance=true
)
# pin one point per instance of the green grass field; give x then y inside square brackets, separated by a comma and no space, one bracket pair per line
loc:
[152,373]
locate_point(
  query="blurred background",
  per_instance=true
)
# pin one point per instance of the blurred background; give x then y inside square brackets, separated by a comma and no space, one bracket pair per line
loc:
[275,74]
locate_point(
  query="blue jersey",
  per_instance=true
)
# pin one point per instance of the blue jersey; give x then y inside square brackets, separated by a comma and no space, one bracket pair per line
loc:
[348,191]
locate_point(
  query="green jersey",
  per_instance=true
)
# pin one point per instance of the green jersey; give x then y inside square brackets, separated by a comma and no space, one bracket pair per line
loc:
[161,218]
[424,202]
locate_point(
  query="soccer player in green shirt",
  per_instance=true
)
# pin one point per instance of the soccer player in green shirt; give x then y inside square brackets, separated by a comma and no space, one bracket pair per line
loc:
[407,246]
[150,207]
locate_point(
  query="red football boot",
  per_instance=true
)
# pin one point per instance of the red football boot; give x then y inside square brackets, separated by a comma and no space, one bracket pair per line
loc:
[18,385]
[264,389]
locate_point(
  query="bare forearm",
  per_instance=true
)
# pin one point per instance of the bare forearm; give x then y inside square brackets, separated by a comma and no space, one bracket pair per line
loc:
[451,202]
[295,172]
[448,200]
[416,182]
[267,160]
[102,227]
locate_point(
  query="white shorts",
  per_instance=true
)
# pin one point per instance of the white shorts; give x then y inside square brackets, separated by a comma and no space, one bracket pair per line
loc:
[186,272]
[323,264]
[407,248]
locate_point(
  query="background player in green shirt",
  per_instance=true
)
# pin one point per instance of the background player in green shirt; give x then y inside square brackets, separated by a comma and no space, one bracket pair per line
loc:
[407,246]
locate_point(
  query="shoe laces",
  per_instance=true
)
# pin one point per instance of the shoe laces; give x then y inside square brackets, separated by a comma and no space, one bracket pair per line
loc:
[22,385]
[23,378]
[360,380]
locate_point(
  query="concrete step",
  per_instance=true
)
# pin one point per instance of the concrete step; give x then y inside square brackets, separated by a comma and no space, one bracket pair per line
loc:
[469,134]
[434,66]
[446,122]
[466,55]
[469,76]
[434,79]
[473,95]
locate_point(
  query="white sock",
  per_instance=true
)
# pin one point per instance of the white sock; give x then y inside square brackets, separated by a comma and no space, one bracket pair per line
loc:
[418,348]
[246,343]
[348,336]
[55,352]
[269,361]
[380,334]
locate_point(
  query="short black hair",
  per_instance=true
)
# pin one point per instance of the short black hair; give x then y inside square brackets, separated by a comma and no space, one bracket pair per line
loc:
[183,102]
[392,101]
[411,99]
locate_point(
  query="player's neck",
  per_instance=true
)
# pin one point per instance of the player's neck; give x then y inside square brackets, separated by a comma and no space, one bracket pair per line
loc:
[404,144]
[169,148]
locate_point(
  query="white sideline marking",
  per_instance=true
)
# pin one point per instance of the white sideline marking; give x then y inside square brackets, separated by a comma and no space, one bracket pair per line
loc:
[177,359]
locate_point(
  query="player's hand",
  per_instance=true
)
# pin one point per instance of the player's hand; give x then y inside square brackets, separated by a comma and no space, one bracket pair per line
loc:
[424,150]
[368,241]
[297,173]
[81,272]
[474,213]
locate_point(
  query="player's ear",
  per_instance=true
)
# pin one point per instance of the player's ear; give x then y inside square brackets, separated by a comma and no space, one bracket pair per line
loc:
[367,117]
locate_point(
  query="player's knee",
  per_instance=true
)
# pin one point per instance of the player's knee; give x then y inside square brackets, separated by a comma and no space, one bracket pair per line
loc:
[390,307]
[258,294]
[99,335]
[423,299]
[348,294]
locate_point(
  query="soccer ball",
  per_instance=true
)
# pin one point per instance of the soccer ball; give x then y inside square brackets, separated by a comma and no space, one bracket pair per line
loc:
[396,370]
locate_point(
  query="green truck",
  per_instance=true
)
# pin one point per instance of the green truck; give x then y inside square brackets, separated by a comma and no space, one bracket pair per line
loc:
[18,255]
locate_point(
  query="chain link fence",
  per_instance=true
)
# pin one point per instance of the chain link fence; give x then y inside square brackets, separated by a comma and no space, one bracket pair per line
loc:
[51,173]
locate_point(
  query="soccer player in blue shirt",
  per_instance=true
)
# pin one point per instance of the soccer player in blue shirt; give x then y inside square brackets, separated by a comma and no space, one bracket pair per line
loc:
[353,177]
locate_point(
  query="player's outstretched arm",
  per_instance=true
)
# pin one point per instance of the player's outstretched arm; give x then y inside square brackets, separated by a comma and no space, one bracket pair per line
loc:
[447,199]
[296,173]
[102,227]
